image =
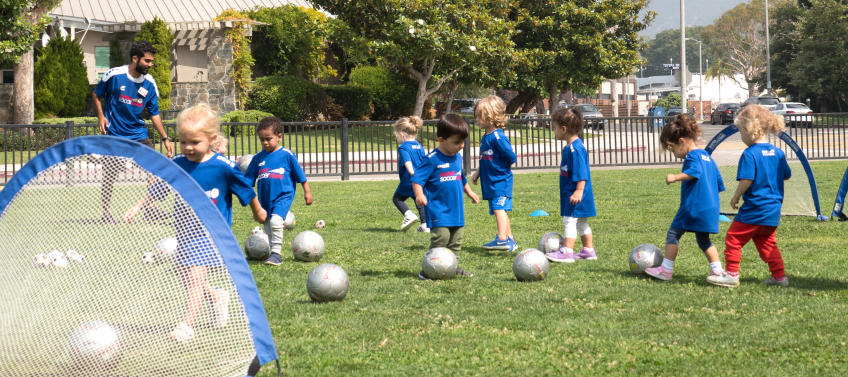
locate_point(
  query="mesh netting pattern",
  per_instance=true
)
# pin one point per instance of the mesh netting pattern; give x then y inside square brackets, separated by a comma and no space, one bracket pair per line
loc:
[109,308]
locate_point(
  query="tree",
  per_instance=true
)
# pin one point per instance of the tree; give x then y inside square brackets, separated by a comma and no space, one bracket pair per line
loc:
[784,47]
[666,45]
[242,58]
[156,32]
[293,42]
[429,40]
[61,82]
[22,22]
[720,69]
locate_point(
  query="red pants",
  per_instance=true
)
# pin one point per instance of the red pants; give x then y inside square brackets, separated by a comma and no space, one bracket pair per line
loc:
[740,233]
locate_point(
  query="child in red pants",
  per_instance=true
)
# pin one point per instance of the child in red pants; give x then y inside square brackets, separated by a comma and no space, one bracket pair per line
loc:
[761,172]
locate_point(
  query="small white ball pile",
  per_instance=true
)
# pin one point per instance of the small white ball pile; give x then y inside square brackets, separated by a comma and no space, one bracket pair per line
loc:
[58,259]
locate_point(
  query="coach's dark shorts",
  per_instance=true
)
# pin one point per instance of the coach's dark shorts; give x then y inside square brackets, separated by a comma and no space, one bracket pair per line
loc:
[147,142]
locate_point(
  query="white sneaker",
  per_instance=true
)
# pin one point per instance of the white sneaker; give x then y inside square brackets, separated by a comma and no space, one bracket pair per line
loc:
[182,333]
[772,281]
[221,309]
[423,229]
[725,279]
[408,222]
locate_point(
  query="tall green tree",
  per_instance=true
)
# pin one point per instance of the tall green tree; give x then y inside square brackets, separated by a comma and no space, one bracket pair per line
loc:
[720,69]
[21,24]
[292,42]
[157,33]
[61,80]
[784,45]
[665,48]
[429,40]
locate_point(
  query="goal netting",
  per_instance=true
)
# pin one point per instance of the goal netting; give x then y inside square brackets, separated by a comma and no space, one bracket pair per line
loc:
[86,297]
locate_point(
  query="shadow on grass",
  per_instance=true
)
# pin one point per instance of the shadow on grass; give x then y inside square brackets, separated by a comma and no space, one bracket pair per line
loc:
[402,274]
[818,284]
[477,250]
[384,230]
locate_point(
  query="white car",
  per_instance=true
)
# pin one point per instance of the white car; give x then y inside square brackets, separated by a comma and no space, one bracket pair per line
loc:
[794,113]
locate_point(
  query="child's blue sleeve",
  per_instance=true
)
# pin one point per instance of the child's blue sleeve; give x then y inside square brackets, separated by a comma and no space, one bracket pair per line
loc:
[240,186]
[580,170]
[297,171]
[719,179]
[691,165]
[747,167]
[422,174]
[787,171]
[252,170]
[504,149]
[403,156]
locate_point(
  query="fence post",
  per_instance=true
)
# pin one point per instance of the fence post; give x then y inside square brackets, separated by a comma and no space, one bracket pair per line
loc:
[69,130]
[345,157]
[466,157]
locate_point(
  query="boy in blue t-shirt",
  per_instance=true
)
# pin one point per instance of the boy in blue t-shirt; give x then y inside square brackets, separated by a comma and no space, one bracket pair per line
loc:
[577,203]
[276,171]
[496,157]
[439,185]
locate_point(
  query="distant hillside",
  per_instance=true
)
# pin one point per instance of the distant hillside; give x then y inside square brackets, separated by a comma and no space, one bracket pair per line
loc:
[698,13]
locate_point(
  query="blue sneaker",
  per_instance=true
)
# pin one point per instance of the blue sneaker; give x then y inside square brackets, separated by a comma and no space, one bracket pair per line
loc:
[513,246]
[274,260]
[497,244]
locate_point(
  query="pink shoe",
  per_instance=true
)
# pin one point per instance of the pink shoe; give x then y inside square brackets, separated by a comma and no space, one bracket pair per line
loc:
[586,254]
[560,256]
[659,272]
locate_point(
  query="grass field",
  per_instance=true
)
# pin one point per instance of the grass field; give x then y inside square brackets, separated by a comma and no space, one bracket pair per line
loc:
[587,319]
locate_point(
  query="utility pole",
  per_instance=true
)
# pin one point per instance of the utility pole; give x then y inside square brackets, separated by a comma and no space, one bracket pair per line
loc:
[683,106]
[700,82]
[768,53]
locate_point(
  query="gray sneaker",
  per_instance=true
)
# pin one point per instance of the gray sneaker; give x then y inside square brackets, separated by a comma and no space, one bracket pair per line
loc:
[784,282]
[461,272]
[724,279]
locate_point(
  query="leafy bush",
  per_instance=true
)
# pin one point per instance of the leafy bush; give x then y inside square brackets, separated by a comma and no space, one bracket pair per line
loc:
[354,100]
[76,120]
[244,116]
[292,42]
[393,95]
[61,83]
[156,32]
[291,99]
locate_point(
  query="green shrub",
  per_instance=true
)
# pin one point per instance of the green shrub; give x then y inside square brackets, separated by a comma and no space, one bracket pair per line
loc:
[156,32]
[291,42]
[291,99]
[393,94]
[61,83]
[245,116]
[354,100]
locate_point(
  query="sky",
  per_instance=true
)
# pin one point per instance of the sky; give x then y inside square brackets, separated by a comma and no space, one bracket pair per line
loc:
[697,13]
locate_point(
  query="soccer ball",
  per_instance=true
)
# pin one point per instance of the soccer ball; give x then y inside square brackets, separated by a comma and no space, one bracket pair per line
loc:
[530,265]
[327,282]
[148,257]
[74,256]
[244,162]
[550,242]
[95,346]
[289,222]
[257,229]
[320,224]
[308,246]
[257,247]
[439,263]
[54,255]
[166,248]
[644,256]
[41,260]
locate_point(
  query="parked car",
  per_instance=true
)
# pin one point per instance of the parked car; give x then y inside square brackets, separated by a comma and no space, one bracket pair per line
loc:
[591,115]
[675,111]
[465,105]
[724,113]
[794,113]
[765,101]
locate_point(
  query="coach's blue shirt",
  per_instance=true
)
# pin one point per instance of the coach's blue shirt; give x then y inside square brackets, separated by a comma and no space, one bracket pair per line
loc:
[408,151]
[221,178]
[496,156]
[765,165]
[574,167]
[276,175]
[699,203]
[443,181]
[124,100]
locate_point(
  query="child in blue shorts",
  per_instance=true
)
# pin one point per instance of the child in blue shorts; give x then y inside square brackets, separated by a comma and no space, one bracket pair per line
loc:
[276,172]
[496,157]
[410,157]
[577,203]
[440,183]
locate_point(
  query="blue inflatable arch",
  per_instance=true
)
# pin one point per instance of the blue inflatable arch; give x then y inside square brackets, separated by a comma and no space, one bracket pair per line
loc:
[731,129]
[840,199]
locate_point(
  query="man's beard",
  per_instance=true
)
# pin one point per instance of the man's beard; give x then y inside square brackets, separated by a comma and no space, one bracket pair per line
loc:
[142,70]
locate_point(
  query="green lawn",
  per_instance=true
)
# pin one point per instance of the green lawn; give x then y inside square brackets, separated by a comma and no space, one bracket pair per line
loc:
[591,318]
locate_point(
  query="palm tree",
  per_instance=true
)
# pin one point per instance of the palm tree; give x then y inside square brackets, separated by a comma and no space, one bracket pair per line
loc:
[719,69]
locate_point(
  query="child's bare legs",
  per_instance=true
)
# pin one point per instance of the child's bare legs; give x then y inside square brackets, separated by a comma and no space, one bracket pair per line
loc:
[196,282]
[504,227]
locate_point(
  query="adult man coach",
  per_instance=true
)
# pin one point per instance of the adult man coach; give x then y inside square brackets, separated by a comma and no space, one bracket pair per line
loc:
[126,92]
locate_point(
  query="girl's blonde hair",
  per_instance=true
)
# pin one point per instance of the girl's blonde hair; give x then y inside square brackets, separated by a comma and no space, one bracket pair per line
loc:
[491,111]
[756,121]
[407,126]
[220,144]
[199,117]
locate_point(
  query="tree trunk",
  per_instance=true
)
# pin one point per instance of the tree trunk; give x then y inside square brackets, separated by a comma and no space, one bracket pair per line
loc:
[530,103]
[23,105]
[451,94]
[554,97]
[614,97]
[518,102]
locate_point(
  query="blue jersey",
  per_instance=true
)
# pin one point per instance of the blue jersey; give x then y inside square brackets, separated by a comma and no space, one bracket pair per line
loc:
[496,156]
[443,181]
[699,203]
[124,99]
[765,165]
[221,178]
[413,152]
[276,175]
[573,168]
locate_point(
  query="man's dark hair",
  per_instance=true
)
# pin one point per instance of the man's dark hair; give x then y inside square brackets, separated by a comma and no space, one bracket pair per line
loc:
[140,48]
[452,124]
[272,123]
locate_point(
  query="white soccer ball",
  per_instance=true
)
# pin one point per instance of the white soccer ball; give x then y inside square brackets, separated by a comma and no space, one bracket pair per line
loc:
[74,256]
[320,224]
[55,254]
[148,257]
[244,162]
[165,249]
[550,242]
[257,247]
[95,346]
[530,265]
[257,229]
[439,263]
[41,260]
[289,221]
[60,262]
[308,246]
[327,282]
[644,256]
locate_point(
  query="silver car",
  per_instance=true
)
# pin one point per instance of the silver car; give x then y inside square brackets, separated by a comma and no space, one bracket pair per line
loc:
[591,115]
[794,113]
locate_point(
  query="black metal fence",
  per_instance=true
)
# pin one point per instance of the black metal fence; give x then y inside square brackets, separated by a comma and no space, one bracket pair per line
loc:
[346,148]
